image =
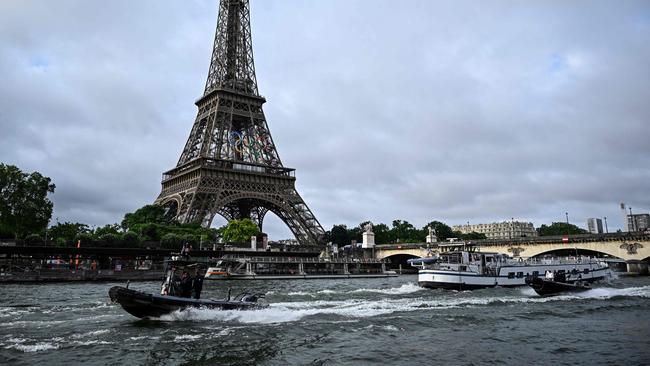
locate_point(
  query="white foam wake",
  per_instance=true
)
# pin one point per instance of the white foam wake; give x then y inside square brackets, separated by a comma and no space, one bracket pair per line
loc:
[406,288]
[41,346]
[361,308]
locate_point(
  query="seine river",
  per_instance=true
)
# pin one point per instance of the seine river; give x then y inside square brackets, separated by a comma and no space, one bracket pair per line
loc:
[341,322]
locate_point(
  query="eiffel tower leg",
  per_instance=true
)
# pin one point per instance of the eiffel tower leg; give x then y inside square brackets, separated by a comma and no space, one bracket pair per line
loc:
[257,215]
[288,206]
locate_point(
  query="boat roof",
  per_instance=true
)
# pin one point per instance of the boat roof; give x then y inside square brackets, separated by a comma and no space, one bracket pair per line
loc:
[467,251]
[422,260]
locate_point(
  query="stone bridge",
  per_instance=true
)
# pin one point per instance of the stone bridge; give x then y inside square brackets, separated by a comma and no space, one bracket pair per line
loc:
[631,248]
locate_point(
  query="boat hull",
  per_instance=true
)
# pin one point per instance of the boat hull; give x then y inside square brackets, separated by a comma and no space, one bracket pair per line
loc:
[546,287]
[144,305]
[471,280]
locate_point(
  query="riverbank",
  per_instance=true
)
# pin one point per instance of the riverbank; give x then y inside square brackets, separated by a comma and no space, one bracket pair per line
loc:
[60,275]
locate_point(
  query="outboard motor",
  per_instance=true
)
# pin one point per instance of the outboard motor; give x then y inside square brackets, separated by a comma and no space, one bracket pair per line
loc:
[251,297]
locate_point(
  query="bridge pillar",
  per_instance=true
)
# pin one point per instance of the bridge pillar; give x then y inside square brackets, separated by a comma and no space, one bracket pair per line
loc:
[637,267]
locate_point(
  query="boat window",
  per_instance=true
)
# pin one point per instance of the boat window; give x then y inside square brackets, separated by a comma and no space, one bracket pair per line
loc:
[511,275]
[520,274]
[586,270]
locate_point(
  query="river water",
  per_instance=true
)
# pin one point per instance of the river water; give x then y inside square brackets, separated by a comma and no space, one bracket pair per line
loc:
[332,322]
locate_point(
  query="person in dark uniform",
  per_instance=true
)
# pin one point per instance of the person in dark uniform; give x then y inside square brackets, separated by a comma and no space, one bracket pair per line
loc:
[186,285]
[197,284]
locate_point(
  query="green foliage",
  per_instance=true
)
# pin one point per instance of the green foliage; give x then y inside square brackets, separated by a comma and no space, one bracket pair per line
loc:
[130,240]
[110,240]
[404,232]
[240,231]
[67,231]
[34,240]
[85,239]
[443,231]
[151,224]
[149,214]
[24,205]
[401,231]
[60,242]
[171,241]
[339,235]
[107,229]
[191,239]
[559,228]
[382,233]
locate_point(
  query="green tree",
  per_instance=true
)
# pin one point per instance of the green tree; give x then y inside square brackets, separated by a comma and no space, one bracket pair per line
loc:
[339,235]
[68,231]
[171,241]
[85,239]
[443,231]
[382,233]
[130,240]
[149,214]
[192,240]
[33,240]
[107,229]
[240,231]
[403,232]
[24,205]
[559,228]
[111,240]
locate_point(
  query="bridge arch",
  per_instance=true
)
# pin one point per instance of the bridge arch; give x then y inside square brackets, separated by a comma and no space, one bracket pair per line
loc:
[171,205]
[400,260]
[256,206]
[564,252]
[620,250]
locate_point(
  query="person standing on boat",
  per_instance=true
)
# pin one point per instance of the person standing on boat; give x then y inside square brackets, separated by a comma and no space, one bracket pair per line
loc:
[197,284]
[186,285]
[171,285]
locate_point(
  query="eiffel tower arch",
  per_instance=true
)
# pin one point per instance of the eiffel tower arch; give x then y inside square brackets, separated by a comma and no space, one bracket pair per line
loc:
[230,165]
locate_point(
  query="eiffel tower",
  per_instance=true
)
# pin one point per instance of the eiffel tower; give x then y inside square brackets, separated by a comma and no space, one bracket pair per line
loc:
[230,165]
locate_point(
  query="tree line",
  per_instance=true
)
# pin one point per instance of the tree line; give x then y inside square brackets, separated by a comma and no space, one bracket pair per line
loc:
[400,231]
[26,210]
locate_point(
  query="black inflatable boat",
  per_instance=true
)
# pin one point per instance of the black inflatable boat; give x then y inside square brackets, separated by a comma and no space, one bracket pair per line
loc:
[546,287]
[144,305]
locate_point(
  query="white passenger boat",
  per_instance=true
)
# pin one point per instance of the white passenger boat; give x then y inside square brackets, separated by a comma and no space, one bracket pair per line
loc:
[463,270]
[281,268]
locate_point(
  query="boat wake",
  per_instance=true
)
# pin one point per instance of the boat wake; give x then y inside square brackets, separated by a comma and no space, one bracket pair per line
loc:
[406,288]
[362,308]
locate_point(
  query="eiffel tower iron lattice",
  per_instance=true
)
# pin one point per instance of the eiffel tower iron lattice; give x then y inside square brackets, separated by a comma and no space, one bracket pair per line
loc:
[230,165]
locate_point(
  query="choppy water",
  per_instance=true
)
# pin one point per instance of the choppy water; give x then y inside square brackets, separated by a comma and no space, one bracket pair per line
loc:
[349,322]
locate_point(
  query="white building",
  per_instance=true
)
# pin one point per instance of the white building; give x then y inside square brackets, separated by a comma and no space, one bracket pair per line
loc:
[595,226]
[638,222]
[500,230]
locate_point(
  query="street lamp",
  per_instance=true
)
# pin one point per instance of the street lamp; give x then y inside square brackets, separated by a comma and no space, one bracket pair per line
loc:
[567,217]
[606,231]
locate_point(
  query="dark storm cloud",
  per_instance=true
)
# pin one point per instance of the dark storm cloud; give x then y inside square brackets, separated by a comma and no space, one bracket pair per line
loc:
[456,111]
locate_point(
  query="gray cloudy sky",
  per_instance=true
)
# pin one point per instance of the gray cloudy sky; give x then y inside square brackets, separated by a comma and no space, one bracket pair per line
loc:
[457,111]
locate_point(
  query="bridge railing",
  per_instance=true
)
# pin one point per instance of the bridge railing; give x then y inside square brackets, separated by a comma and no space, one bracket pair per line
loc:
[555,239]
